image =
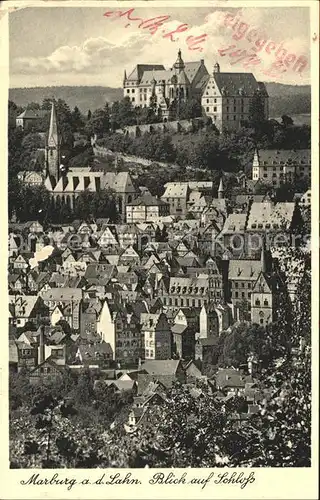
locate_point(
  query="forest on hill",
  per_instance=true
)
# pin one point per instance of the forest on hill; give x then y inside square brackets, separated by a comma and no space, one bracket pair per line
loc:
[284,99]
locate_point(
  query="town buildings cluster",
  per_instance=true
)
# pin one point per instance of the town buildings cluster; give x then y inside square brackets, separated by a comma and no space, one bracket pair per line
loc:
[147,299]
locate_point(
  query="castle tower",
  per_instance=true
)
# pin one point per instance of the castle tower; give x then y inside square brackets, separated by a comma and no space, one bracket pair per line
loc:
[53,146]
[124,77]
[179,64]
[221,190]
[216,68]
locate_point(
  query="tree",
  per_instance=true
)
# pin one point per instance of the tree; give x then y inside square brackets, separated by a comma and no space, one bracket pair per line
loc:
[286,120]
[256,110]
[99,204]
[33,105]
[77,119]
[89,115]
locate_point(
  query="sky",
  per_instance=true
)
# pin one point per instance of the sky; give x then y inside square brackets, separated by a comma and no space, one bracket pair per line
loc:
[81,46]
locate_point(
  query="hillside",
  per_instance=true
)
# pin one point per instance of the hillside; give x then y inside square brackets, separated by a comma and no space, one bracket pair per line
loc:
[288,99]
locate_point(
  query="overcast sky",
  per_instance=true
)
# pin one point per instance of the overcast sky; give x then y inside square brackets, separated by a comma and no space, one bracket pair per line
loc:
[79,46]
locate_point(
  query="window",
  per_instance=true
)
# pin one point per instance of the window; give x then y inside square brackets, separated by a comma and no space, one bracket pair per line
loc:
[227,108]
[265,175]
[265,303]
[132,91]
[215,108]
[208,101]
[132,99]
[257,303]
[227,117]
[243,294]
[236,284]
[128,91]
[242,284]
[234,109]
[261,321]
[208,109]
[234,118]
[236,294]
[214,100]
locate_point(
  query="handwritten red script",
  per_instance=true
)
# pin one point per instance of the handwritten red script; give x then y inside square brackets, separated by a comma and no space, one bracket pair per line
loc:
[258,42]
[155,23]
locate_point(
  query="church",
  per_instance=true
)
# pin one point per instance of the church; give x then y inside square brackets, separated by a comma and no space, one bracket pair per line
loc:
[64,186]
[225,97]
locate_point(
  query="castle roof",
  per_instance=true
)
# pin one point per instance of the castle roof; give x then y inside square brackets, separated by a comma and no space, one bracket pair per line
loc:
[140,69]
[235,84]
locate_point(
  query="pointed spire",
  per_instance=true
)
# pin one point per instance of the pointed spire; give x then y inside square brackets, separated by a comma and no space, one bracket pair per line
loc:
[53,138]
[124,76]
[221,189]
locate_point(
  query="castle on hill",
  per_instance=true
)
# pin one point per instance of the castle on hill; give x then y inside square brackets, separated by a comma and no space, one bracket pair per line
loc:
[224,97]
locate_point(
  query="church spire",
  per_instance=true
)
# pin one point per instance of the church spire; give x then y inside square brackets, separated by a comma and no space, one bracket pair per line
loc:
[53,138]
[179,64]
[221,189]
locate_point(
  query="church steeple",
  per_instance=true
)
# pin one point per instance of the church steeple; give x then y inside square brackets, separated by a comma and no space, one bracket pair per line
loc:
[179,64]
[53,146]
[53,138]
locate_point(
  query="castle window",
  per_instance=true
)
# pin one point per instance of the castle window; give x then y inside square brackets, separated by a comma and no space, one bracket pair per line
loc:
[215,108]
[265,303]
[132,99]
[234,109]
[132,90]
[261,321]
[227,108]
[208,101]
[128,91]
[51,152]
[234,117]
[257,303]
[227,117]
[208,109]
[214,100]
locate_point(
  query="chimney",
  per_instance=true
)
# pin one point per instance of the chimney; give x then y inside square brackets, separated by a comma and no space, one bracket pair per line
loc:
[41,345]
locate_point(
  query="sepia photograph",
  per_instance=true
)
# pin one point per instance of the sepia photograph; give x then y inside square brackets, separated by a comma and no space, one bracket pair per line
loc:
[159,238]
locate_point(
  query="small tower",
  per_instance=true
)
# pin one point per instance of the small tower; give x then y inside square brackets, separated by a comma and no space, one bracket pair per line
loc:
[53,146]
[216,68]
[221,190]
[179,64]
[263,259]
[124,77]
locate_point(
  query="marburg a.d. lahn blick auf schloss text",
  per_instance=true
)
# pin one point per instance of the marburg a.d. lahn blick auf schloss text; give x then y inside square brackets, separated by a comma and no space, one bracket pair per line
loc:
[170,478]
